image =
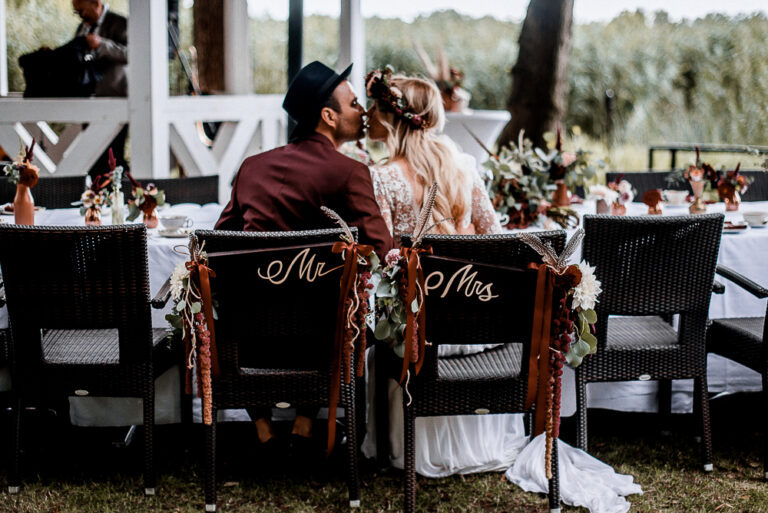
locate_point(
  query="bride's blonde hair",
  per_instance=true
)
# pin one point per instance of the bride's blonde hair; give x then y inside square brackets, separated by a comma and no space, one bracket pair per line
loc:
[429,155]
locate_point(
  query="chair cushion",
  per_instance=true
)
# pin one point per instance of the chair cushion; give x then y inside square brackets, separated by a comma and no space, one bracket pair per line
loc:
[502,362]
[639,332]
[739,339]
[90,347]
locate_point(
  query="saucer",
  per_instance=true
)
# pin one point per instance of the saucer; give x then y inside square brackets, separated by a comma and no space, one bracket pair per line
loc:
[758,226]
[175,234]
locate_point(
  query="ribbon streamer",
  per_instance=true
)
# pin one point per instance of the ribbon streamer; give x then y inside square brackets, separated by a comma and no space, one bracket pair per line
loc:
[414,349]
[351,251]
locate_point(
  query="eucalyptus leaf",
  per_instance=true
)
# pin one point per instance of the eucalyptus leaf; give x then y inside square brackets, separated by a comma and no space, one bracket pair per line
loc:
[415,306]
[590,316]
[399,350]
[383,330]
[581,348]
[573,359]
[181,305]
[384,289]
[196,307]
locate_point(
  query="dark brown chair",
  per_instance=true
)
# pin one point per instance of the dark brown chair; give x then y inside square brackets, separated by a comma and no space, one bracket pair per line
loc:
[191,189]
[494,381]
[644,181]
[50,191]
[275,337]
[744,340]
[79,310]
[651,268]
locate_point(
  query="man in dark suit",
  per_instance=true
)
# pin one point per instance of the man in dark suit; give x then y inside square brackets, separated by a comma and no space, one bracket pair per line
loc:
[284,188]
[106,33]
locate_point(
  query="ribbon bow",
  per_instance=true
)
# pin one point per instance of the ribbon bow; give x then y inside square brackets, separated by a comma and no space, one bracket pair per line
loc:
[352,252]
[414,348]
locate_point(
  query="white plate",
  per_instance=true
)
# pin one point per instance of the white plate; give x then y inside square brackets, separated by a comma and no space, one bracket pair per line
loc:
[5,212]
[174,234]
[758,225]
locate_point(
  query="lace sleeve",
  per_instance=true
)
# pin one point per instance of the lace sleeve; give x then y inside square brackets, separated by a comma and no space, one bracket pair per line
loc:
[484,218]
[382,198]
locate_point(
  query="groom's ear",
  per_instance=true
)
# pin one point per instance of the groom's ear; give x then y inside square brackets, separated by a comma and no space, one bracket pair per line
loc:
[329,116]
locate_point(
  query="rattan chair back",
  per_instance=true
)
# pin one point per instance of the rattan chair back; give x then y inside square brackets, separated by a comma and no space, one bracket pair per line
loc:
[277,295]
[191,189]
[79,312]
[50,191]
[644,181]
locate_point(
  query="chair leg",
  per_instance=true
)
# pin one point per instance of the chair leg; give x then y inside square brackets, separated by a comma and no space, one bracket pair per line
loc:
[701,395]
[409,477]
[14,472]
[581,411]
[554,483]
[381,397]
[353,474]
[210,464]
[765,423]
[149,435]
[665,405]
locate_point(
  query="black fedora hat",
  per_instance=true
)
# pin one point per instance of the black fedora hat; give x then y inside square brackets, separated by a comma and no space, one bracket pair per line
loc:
[308,91]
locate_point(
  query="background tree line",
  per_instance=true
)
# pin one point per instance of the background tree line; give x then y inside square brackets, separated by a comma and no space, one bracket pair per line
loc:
[701,80]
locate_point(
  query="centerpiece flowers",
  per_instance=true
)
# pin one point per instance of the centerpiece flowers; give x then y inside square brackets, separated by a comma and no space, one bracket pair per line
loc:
[145,200]
[449,80]
[624,194]
[93,199]
[24,175]
[701,176]
[731,186]
[530,186]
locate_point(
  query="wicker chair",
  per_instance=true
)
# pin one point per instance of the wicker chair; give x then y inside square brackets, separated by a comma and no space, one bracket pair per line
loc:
[192,189]
[259,361]
[50,191]
[79,311]
[494,381]
[758,189]
[651,267]
[744,340]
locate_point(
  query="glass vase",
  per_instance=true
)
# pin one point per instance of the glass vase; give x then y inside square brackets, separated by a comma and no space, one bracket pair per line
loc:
[118,208]
[23,206]
[601,207]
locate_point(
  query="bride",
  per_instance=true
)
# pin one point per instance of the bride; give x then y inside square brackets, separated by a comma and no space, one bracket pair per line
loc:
[408,115]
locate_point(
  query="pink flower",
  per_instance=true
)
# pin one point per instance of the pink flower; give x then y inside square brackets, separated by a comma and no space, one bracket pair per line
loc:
[392,258]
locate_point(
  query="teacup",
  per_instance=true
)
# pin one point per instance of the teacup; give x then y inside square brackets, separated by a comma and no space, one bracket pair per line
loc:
[176,223]
[675,197]
[756,218]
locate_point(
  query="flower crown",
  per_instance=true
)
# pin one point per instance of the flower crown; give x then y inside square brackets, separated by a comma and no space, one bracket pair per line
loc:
[378,87]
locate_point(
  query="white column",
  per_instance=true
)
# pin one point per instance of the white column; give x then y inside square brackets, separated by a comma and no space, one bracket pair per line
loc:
[3,51]
[352,43]
[238,75]
[148,88]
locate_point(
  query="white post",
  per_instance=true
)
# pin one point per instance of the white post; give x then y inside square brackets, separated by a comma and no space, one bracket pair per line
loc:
[148,88]
[352,44]
[238,77]
[3,51]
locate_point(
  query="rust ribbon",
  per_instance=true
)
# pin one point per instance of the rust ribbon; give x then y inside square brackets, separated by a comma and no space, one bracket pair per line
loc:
[538,363]
[351,251]
[414,351]
[204,274]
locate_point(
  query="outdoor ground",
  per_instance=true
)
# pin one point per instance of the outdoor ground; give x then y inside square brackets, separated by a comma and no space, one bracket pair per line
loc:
[81,470]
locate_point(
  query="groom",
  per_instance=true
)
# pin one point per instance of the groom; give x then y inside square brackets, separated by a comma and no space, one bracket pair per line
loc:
[284,188]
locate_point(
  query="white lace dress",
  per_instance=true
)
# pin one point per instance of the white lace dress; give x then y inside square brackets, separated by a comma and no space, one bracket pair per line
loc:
[457,444]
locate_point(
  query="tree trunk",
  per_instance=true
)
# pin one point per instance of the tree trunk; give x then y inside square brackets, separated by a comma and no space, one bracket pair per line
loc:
[209,42]
[537,101]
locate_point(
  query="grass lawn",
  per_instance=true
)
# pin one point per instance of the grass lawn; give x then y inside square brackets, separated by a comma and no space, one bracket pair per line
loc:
[80,470]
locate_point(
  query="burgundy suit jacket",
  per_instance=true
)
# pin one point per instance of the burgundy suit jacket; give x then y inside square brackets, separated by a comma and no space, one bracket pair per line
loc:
[283,189]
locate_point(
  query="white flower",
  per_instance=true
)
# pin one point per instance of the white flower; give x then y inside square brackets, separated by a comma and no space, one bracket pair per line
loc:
[601,192]
[392,258]
[625,188]
[586,292]
[177,280]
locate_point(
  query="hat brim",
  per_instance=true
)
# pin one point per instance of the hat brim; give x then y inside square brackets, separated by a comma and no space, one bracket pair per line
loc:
[301,129]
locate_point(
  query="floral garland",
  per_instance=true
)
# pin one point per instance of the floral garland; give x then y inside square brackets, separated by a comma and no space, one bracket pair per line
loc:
[378,87]
[191,320]
[22,171]
[574,292]
[390,302]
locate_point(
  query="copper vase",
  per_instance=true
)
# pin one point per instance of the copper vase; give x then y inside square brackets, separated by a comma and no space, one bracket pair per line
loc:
[698,206]
[561,197]
[150,219]
[732,203]
[618,209]
[23,206]
[93,217]
[601,207]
